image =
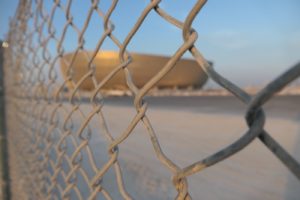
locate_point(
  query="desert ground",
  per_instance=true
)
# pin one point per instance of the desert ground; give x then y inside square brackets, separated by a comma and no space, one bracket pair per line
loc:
[191,128]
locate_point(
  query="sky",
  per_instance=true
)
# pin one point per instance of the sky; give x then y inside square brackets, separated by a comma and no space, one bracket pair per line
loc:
[250,41]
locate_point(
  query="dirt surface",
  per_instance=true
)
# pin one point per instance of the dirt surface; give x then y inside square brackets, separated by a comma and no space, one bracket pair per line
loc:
[190,129]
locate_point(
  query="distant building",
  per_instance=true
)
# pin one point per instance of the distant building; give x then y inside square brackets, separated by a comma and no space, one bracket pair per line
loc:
[186,73]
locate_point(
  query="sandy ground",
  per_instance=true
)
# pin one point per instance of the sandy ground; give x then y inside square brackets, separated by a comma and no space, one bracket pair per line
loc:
[191,128]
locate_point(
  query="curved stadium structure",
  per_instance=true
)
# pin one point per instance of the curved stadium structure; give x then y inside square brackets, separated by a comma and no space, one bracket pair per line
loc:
[186,72]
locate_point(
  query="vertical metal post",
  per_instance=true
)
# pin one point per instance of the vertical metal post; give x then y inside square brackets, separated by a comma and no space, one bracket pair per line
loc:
[4,170]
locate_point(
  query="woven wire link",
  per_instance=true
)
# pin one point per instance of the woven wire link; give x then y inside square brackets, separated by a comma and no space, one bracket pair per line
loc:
[47,147]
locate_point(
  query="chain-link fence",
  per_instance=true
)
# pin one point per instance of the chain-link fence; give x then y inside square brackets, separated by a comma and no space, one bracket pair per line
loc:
[49,131]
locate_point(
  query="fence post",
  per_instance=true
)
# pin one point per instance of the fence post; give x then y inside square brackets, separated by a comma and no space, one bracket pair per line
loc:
[4,170]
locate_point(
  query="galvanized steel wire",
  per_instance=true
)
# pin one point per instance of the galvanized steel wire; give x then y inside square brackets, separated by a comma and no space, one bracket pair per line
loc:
[42,133]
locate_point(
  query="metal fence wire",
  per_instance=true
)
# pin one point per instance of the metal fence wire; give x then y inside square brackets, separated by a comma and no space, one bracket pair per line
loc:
[47,148]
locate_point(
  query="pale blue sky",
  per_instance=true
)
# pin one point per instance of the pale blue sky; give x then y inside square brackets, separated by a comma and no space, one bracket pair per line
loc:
[249,41]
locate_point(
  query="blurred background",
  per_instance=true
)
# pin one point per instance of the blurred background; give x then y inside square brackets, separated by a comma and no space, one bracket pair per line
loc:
[244,39]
